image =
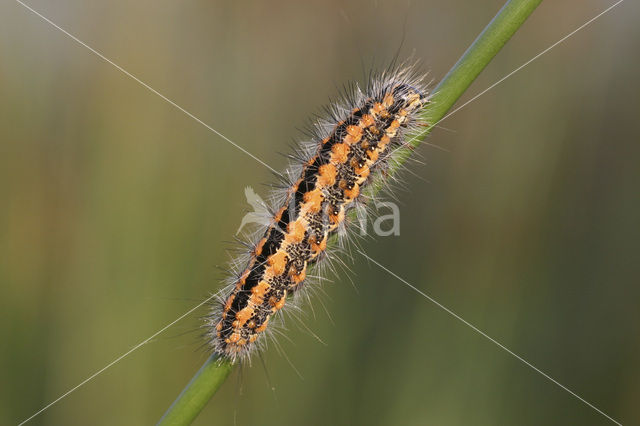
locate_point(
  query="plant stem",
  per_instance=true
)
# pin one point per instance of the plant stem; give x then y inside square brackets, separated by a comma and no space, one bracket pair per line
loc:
[197,393]
[512,15]
[508,20]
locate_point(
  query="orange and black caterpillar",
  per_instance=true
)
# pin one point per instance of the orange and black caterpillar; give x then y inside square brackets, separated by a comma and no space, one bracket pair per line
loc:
[345,153]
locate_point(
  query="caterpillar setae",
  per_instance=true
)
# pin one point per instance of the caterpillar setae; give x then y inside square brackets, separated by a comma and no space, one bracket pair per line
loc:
[328,177]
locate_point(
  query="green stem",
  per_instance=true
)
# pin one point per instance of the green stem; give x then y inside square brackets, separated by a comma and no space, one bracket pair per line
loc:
[197,393]
[512,15]
[508,20]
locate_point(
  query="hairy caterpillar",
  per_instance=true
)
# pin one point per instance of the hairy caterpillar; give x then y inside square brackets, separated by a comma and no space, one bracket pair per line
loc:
[329,176]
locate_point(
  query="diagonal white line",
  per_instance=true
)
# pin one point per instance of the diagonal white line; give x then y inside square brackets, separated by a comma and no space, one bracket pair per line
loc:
[144,342]
[581,27]
[146,86]
[482,333]
[474,98]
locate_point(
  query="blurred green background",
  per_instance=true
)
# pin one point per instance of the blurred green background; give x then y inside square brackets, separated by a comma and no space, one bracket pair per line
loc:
[115,207]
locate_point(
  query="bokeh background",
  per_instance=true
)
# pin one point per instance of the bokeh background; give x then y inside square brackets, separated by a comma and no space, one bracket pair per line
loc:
[115,209]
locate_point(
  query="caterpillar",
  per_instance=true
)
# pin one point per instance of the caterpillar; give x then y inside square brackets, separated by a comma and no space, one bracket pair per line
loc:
[329,176]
